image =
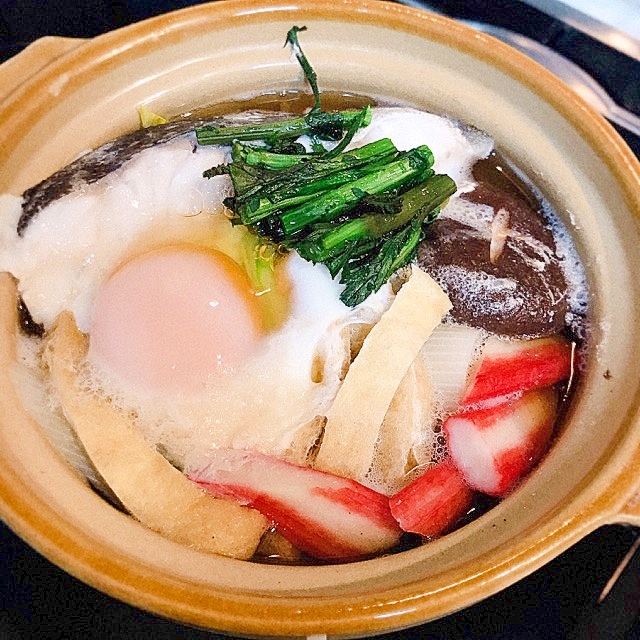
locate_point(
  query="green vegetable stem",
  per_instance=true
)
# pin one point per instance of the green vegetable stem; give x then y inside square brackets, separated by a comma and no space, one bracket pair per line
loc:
[333,202]
[362,212]
[323,125]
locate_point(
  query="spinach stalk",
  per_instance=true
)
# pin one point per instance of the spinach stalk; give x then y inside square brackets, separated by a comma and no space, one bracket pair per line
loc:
[362,212]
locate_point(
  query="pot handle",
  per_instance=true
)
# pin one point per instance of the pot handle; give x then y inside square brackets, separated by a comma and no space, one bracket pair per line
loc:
[30,60]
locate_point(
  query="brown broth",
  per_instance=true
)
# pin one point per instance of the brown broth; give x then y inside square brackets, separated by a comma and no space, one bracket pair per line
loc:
[294,102]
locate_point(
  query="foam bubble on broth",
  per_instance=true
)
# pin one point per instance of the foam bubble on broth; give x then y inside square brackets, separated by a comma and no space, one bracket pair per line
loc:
[572,267]
[577,291]
[32,387]
[477,284]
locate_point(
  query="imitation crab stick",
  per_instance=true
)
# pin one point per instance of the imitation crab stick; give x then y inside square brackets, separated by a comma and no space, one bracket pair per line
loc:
[326,516]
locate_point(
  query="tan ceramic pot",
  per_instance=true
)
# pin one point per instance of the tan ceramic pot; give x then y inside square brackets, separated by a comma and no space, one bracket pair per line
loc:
[64,96]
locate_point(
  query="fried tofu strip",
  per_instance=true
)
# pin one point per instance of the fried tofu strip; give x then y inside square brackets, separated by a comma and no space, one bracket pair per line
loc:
[149,487]
[407,424]
[355,417]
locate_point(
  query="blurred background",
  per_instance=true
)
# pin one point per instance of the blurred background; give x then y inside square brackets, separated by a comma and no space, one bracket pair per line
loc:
[560,601]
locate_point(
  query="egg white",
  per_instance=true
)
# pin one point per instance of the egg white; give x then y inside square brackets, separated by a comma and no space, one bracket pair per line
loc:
[456,147]
[72,245]
[264,403]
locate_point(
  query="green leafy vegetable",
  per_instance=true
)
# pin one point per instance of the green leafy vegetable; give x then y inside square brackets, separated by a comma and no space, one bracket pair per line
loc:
[361,212]
[310,74]
[325,242]
[261,191]
[371,248]
[323,125]
[327,206]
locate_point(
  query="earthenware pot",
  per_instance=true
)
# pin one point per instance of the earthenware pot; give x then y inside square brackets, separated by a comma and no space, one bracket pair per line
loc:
[64,96]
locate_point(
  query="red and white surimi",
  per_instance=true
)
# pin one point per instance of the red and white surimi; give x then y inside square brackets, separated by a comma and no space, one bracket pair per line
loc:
[321,514]
[508,366]
[434,502]
[495,446]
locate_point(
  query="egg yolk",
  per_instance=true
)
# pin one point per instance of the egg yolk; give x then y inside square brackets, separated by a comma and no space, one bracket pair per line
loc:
[172,318]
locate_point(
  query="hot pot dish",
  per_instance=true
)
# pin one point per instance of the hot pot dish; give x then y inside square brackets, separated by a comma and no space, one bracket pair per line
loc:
[330,338]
